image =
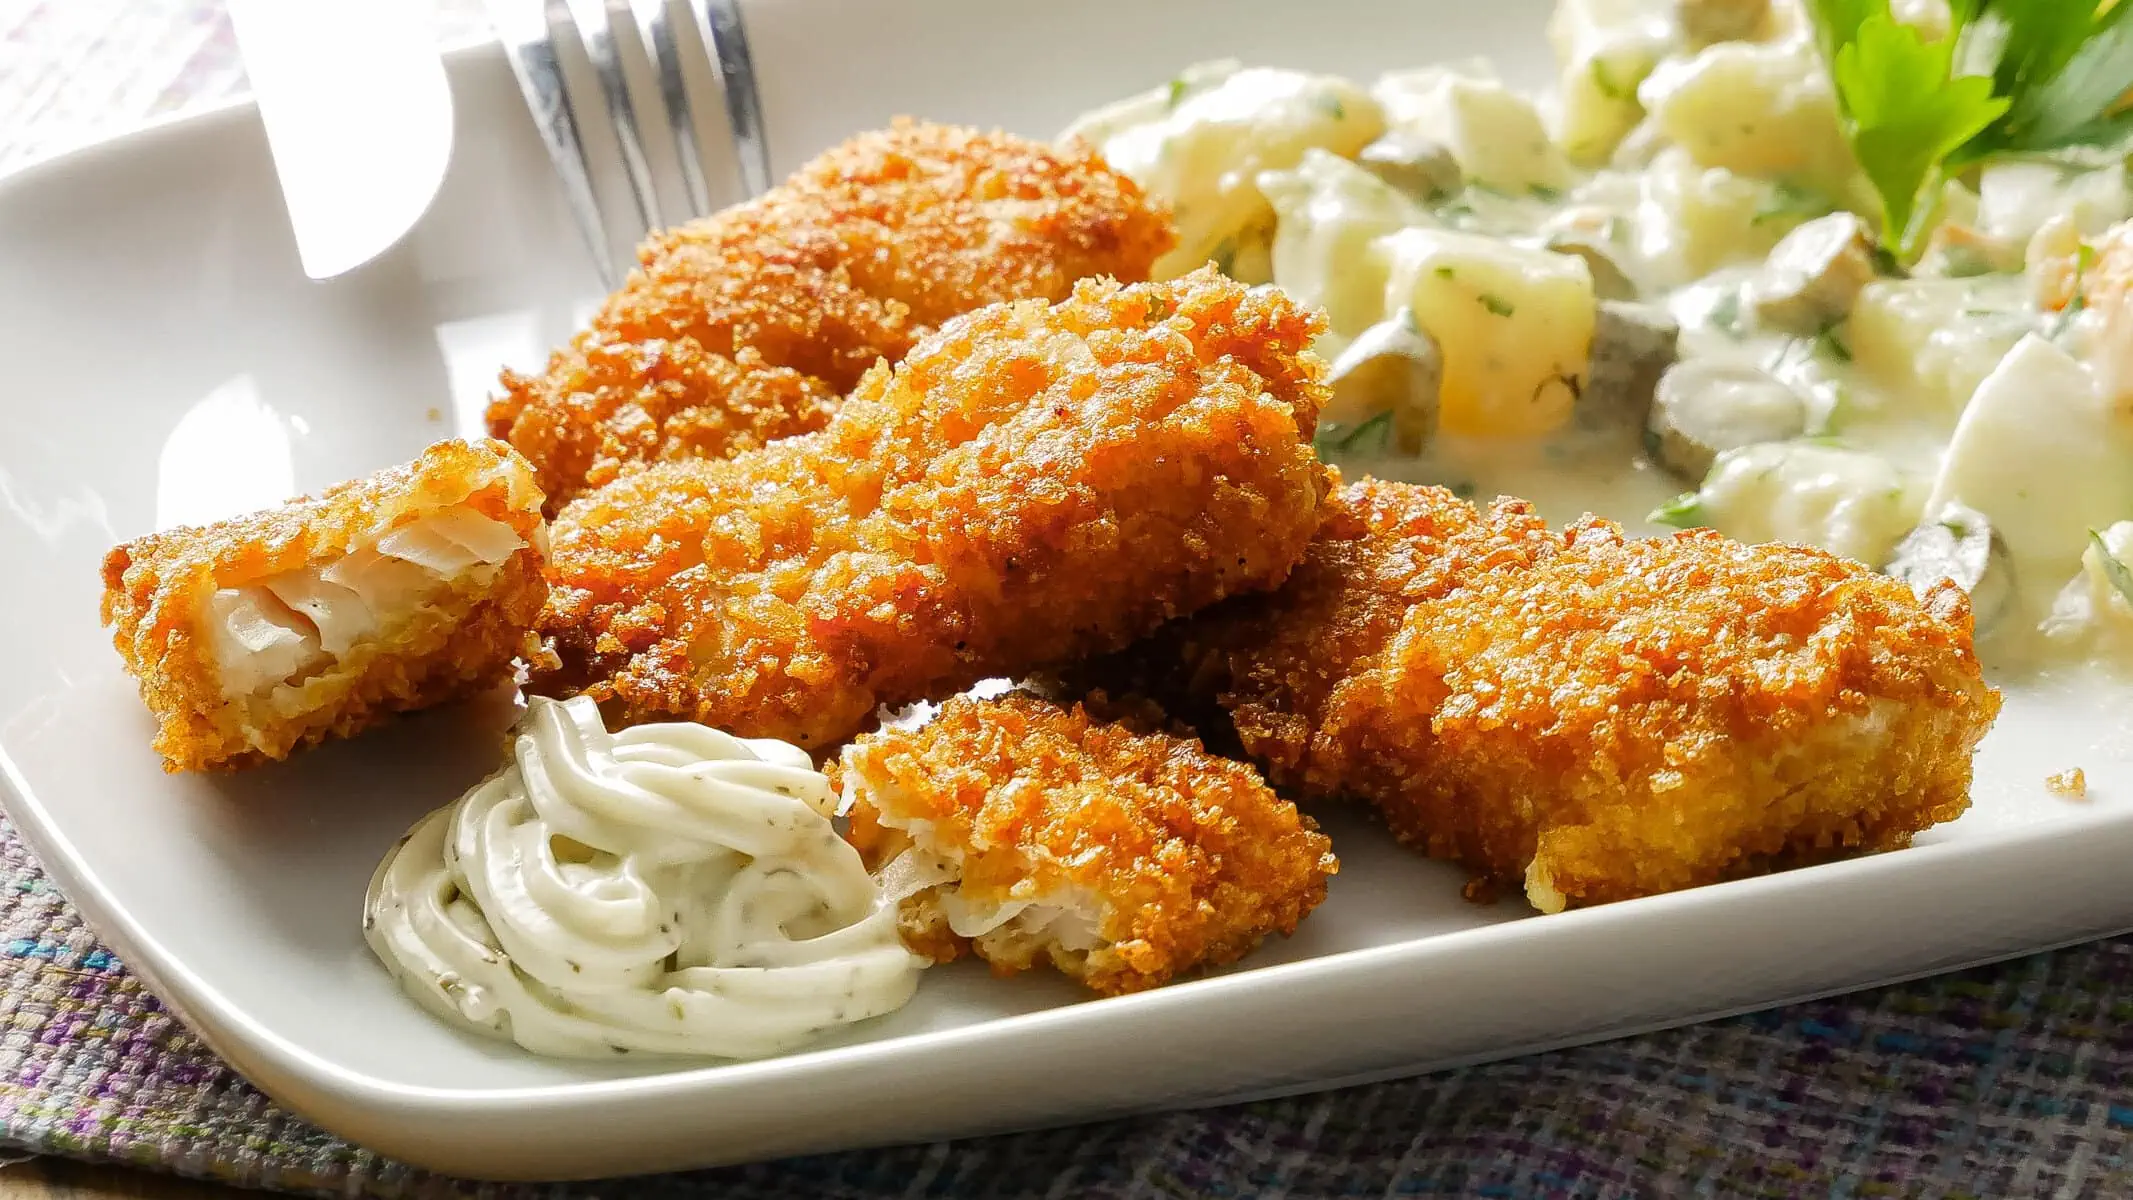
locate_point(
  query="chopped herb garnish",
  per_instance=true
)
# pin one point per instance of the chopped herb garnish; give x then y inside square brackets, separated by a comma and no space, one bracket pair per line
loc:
[1841,405]
[1787,202]
[1225,256]
[1331,105]
[1497,305]
[1603,79]
[1543,192]
[1445,273]
[1791,353]
[1725,314]
[1963,262]
[2084,258]
[1682,512]
[2120,575]
[1342,439]
[1178,90]
[1832,343]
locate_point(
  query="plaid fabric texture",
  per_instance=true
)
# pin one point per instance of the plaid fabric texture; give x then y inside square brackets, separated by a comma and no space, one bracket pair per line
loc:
[2011,1081]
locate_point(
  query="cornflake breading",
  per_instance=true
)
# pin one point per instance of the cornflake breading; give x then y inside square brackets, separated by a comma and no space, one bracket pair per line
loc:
[1588,716]
[264,633]
[1032,484]
[748,325]
[1123,857]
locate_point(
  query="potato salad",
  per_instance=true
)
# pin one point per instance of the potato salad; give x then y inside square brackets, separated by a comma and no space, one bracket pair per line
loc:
[1693,283]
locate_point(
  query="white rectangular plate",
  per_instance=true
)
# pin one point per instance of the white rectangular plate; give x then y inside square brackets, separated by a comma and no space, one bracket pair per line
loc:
[168,361]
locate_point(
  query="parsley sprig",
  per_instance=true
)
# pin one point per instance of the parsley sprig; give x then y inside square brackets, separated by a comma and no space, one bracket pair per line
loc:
[2012,77]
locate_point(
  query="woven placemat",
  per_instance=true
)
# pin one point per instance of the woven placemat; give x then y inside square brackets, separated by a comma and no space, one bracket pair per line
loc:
[2008,1081]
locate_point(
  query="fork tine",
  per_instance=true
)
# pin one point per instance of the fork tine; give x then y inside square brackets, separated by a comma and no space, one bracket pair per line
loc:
[655,24]
[719,21]
[522,27]
[598,34]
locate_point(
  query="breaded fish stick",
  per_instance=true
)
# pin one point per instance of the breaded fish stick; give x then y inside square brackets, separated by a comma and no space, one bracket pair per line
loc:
[1032,832]
[1587,716]
[261,634]
[748,325]
[1030,485]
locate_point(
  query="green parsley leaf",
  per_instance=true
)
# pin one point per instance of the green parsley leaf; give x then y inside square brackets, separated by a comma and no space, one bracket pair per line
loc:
[1178,88]
[1682,512]
[2012,77]
[2120,575]
[1497,305]
[1905,114]
[2064,66]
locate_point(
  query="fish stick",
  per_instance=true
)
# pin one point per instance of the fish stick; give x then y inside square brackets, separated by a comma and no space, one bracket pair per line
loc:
[1031,832]
[1032,484]
[747,326]
[261,634]
[1582,715]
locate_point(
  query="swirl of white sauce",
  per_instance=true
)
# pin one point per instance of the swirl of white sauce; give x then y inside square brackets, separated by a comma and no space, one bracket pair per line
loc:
[669,889]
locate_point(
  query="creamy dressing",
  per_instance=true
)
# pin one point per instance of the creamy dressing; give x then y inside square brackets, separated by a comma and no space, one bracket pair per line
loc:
[668,889]
[1689,201]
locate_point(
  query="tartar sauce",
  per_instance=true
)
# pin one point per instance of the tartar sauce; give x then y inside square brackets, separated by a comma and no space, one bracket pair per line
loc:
[668,889]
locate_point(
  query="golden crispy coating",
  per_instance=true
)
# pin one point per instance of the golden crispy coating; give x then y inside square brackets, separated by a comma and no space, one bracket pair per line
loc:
[1584,715]
[1269,667]
[1124,857]
[746,326]
[1031,484]
[233,629]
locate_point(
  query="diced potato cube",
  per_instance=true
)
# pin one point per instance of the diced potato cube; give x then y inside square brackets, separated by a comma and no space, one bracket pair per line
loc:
[1691,220]
[1917,338]
[1495,133]
[1606,48]
[1328,211]
[1847,502]
[1201,141]
[1515,325]
[1755,108]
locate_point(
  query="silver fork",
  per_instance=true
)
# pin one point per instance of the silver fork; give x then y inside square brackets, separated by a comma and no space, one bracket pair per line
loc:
[527,30]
